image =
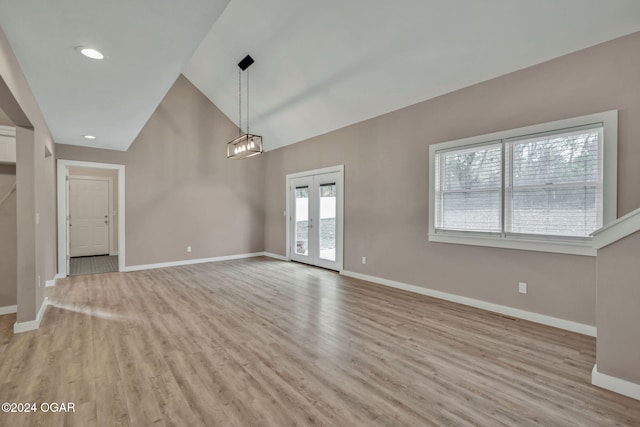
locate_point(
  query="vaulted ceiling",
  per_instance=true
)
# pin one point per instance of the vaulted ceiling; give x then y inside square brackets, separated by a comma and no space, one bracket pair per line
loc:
[319,65]
[146,43]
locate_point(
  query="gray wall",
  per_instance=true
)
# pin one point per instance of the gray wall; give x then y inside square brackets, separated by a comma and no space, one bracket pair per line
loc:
[29,258]
[4,120]
[618,310]
[8,238]
[386,173]
[180,189]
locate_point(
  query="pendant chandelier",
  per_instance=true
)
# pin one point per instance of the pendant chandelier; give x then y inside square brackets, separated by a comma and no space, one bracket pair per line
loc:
[246,145]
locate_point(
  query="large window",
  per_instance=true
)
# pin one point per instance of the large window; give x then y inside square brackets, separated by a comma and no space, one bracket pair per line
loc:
[544,187]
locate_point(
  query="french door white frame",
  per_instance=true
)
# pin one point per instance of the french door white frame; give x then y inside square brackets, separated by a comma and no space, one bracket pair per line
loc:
[339,207]
[63,211]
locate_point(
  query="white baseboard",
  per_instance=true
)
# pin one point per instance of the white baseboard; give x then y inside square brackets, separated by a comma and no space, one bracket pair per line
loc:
[51,283]
[10,309]
[190,262]
[275,256]
[496,308]
[31,325]
[614,384]
[60,276]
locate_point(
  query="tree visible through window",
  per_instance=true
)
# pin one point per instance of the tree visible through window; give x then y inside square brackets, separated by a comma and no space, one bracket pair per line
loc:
[556,184]
[547,184]
[470,190]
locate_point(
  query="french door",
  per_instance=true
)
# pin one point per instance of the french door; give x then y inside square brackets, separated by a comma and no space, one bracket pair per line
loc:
[315,219]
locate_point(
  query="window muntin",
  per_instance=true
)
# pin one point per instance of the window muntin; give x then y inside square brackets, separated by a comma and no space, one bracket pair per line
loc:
[546,185]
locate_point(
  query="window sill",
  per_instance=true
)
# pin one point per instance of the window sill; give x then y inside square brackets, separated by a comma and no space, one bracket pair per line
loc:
[552,246]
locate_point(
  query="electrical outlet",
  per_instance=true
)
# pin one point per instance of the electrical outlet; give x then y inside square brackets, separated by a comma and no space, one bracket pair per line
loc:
[188,248]
[364,259]
[522,287]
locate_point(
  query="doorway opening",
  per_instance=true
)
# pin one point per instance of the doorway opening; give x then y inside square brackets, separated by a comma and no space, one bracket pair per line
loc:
[90,218]
[315,215]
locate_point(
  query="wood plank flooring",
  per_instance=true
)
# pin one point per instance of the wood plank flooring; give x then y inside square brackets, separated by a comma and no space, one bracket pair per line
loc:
[267,343]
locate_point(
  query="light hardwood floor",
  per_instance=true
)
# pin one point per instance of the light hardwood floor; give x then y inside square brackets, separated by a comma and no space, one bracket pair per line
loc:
[267,343]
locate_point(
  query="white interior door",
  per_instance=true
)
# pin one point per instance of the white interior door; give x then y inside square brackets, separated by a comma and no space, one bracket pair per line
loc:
[88,217]
[316,220]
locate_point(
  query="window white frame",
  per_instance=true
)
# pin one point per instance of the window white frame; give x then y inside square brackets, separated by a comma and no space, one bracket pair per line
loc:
[609,119]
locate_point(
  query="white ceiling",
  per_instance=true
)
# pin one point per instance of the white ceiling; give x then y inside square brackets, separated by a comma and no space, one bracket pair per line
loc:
[146,44]
[319,65]
[326,64]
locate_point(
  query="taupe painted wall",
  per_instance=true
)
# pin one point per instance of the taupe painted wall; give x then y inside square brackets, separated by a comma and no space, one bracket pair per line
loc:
[386,173]
[109,173]
[4,120]
[36,191]
[618,309]
[29,260]
[180,188]
[8,238]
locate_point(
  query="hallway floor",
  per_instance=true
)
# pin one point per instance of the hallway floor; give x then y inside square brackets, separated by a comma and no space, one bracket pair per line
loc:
[93,265]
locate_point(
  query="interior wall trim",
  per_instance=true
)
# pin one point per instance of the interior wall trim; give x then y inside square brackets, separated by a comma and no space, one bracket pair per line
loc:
[31,325]
[275,256]
[190,261]
[617,230]
[543,319]
[617,385]
[9,309]
[51,283]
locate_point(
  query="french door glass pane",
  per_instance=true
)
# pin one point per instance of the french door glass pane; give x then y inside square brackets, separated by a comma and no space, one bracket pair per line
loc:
[328,221]
[302,220]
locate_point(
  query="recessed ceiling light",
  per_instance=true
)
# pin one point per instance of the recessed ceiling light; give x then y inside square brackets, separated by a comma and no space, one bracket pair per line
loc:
[89,136]
[91,53]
